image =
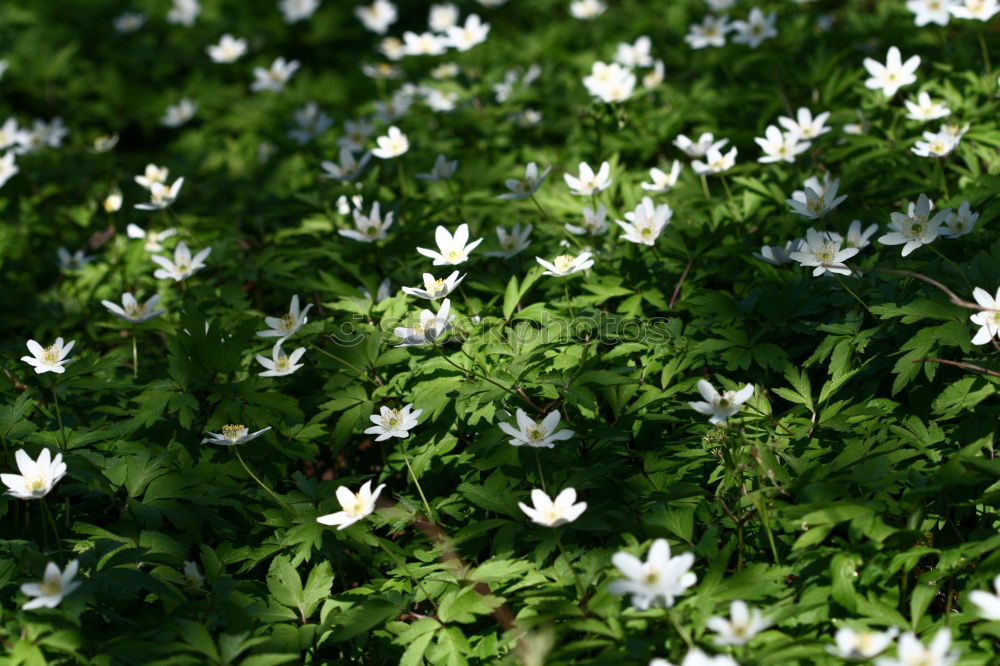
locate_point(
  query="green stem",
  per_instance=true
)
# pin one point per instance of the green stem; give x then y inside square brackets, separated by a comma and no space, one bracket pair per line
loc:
[767,528]
[679,628]
[986,60]
[538,462]
[566,295]
[851,292]
[440,352]
[62,431]
[361,373]
[135,355]
[261,483]
[704,187]
[416,482]
[402,565]
[545,216]
[729,196]
[52,521]
[953,265]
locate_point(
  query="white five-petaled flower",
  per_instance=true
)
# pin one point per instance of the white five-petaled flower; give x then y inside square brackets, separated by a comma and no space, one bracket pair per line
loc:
[566,264]
[586,10]
[161,196]
[662,181]
[937,144]
[274,77]
[183,265]
[804,125]
[542,434]
[645,222]
[911,652]
[435,288]
[279,364]
[393,144]
[353,506]
[512,243]
[860,645]
[393,422]
[288,323]
[184,12]
[715,162]
[464,37]
[452,249]
[780,146]
[916,227]
[610,83]
[925,108]
[635,55]
[930,11]
[983,10]
[152,174]
[54,587]
[894,74]
[297,10]
[660,578]
[233,435]
[855,236]
[699,148]
[443,169]
[986,603]
[816,199]
[988,320]
[743,624]
[378,16]
[552,513]
[132,311]
[370,228]
[193,580]
[431,327]
[589,183]
[151,238]
[72,261]
[177,114]
[710,32]
[37,477]
[720,406]
[48,359]
[959,222]
[229,49]
[777,255]
[347,168]
[524,188]
[757,28]
[593,222]
[822,250]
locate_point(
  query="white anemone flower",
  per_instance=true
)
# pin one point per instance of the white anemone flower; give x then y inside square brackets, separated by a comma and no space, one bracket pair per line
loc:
[512,243]
[55,586]
[662,181]
[431,327]
[742,625]
[452,249]
[552,513]
[370,228]
[393,144]
[229,49]
[540,434]
[524,188]
[275,77]
[661,578]
[435,288]
[566,264]
[646,222]
[183,266]
[986,603]
[353,506]
[161,196]
[916,227]
[132,311]
[393,422]
[151,238]
[860,645]
[288,323]
[720,406]
[893,75]
[822,251]
[280,365]
[594,222]
[233,435]
[989,319]
[588,182]
[715,162]
[37,477]
[48,359]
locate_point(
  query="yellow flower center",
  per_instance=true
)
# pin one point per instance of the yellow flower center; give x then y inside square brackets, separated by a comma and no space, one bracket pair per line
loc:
[536,432]
[233,432]
[50,354]
[35,483]
[50,588]
[287,323]
[563,263]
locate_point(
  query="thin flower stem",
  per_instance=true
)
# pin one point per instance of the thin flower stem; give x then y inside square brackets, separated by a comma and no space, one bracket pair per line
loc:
[851,292]
[568,303]
[767,527]
[948,292]
[416,482]
[729,196]
[361,373]
[456,198]
[951,263]
[402,565]
[986,59]
[680,283]
[959,364]
[704,187]
[944,178]
[135,355]
[538,462]
[518,392]
[62,431]
[261,483]
[52,521]
[576,576]
[545,216]
[679,628]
